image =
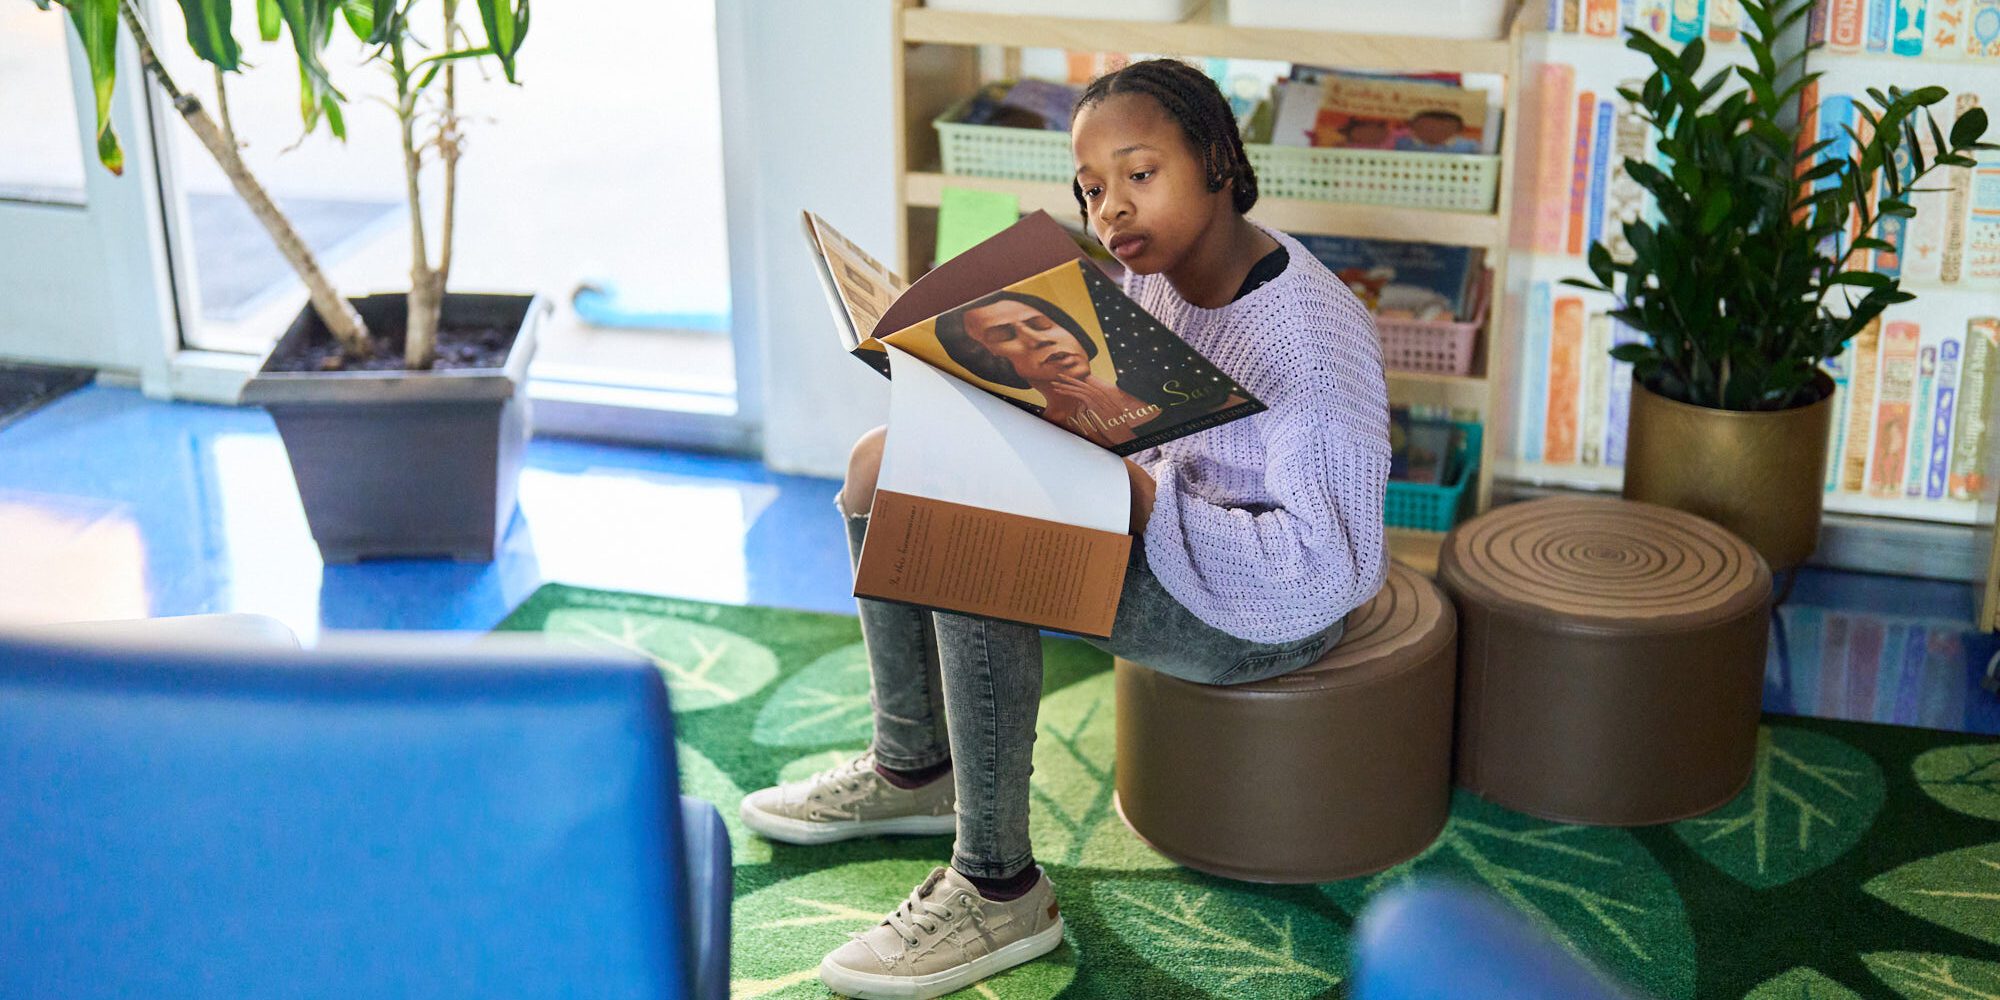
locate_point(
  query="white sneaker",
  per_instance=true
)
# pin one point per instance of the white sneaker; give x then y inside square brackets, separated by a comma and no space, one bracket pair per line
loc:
[851,800]
[943,938]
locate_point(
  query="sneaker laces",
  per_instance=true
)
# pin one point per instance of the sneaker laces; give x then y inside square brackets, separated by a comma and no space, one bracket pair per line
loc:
[919,913]
[846,775]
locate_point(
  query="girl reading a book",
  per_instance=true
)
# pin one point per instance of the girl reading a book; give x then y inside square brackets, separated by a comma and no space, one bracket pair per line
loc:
[1256,538]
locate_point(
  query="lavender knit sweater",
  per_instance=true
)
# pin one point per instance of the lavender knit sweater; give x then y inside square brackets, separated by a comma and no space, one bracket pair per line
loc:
[1270,527]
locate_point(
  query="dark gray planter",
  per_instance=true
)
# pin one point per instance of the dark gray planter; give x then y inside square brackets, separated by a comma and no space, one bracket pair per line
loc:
[400,463]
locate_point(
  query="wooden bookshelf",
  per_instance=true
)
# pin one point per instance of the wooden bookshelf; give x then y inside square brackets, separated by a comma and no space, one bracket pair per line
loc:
[936,63]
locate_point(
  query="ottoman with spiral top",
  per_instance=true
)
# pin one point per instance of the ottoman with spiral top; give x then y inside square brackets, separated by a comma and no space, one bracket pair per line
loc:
[1611,659]
[1334,770]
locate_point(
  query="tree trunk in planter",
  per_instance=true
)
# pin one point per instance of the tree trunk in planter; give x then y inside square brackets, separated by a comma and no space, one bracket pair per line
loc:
[1762,475]
[406,463]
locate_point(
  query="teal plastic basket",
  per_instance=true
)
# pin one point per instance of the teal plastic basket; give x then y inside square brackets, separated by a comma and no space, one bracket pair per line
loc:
[1428,507]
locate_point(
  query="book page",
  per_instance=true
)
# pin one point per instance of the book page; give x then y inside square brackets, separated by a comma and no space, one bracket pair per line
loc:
[949,441]
[864,287]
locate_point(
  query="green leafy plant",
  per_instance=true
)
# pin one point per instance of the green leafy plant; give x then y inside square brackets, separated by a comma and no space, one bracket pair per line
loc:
[387,34]
[1736,286]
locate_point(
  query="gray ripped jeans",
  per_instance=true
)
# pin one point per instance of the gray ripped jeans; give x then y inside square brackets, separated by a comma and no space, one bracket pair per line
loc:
[956,687]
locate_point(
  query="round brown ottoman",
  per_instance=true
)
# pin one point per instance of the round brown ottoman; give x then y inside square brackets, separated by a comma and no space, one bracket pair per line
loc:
[1611,659]
[1338,769]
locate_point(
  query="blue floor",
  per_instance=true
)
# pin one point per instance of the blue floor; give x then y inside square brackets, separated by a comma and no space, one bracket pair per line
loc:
[113,505]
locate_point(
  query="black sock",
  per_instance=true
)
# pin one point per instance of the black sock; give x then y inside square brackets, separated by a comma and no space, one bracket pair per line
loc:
[913,779]
[1001,890]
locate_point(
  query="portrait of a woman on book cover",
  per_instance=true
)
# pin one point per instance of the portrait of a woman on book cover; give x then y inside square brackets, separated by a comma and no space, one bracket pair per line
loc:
[1057,361]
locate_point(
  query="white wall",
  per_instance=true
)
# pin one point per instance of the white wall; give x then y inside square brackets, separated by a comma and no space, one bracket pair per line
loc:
[806,124]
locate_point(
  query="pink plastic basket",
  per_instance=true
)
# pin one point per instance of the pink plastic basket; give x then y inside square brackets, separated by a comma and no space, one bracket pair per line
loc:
[1436,347]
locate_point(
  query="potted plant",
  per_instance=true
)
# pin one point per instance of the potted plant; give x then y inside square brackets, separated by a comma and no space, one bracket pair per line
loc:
[404,415]
[1746,284]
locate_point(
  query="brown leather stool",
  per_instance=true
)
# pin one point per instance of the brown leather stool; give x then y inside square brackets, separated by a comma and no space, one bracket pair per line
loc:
[1611,659]
[1338,769]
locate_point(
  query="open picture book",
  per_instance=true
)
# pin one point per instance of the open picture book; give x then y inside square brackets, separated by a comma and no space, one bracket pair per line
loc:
[1019,375]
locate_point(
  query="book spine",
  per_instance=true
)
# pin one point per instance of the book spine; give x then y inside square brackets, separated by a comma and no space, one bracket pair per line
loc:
[1816,22]
[1878,24]
[1601,18]
[1937,472]
[1571,17]
[1619,412]
[1625,199]
[1920,414]
[1864,350]
[1579,178]
[1982,36]
[1724,21]
[1535,372]
[1922,256]
[1565,381]
[1894,229]
[1969,461]
[1688,16]
[1553,166]
[1600,166]
[1808,134]
[1982,224]
[1596,389]
[1908,41]
[1866,133]
[1846,25]
[1952,263]
[1892,408]
[1836,114]
[1836,433]
[1653,16]
[1947,28]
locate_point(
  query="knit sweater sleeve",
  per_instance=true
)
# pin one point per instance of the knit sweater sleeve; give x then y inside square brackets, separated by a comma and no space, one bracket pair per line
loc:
[1312,548]
[1284,573]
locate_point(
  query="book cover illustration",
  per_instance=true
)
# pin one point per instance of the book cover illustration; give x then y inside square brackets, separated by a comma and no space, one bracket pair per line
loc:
[1423,281]
[1069,346]
[1361,113]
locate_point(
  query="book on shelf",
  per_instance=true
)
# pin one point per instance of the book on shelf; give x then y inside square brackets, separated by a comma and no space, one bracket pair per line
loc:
[1405,280]
[1679,21]
[1019,374]
[1936,30]
[1349,110]
[1422,448]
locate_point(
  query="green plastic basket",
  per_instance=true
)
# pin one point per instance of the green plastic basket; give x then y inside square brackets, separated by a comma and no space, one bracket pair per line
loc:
[1427,507]
[1442,181]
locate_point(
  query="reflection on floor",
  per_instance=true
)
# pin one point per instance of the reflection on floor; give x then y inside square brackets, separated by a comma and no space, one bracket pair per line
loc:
[113,505]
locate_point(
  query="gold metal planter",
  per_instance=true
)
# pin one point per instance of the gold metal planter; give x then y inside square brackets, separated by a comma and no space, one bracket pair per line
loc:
[1761,475]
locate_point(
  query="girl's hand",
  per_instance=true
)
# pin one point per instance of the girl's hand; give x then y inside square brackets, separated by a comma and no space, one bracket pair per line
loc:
[1144,489]
[1094,396]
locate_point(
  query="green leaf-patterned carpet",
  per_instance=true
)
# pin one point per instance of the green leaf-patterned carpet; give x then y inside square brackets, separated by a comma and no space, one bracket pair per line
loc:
[1862,861]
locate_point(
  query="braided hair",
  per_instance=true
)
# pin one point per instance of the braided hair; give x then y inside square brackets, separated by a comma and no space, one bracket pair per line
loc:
[1192,99]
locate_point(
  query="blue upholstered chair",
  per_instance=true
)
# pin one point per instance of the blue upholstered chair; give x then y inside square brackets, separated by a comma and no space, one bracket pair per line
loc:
[384,816]
[1440,941]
